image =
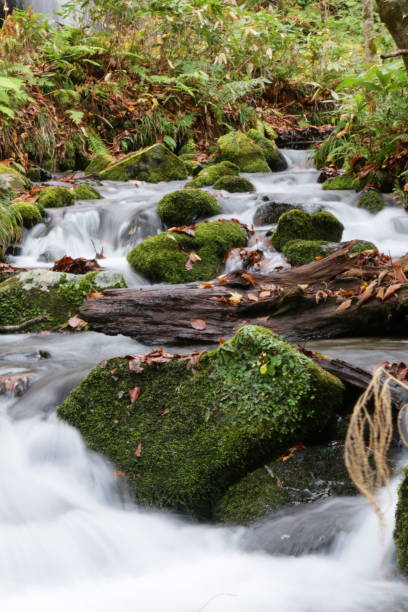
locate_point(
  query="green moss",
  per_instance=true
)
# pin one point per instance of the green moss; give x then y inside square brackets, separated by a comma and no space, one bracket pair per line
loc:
[342,182]
[35,175]
[275,159]
[153,164]
[53,294]
[234,184]
[371,201]
[401,526]
[197,433]
[186,206]
[163,258]
[310,474]
[188,148]
[73,156]
[300,252]
[86,192]
[211,174]
[298,224]
[193,166]
[29,213]
[243,151]
[363,245]
[10,178]
[56,197]
[99,162]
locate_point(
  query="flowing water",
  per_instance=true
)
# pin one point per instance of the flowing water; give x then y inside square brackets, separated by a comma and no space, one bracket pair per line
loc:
[71,539]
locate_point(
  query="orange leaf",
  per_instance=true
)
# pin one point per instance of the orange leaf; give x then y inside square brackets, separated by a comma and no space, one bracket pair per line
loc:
[95,296]
[252,297]
[138,451]
[205,285]
[235,297]
[198,324]
[134,394]
[344,305]
[391,290]
[249,278]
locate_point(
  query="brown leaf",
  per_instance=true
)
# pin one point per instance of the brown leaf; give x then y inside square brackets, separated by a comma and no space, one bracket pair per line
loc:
[249,278]
[80,265]
[399,273]
[252,297]
[192,258]
[344,305]
[198,324]
[134,394]
[184,229]
[380,293]
[205,285]
[95,296]
[367,294]
[264,294]
[165,411]
[235,297]
[76,323]
[391,290]
[320,295]
[138,450]
[303,287]
[135,367]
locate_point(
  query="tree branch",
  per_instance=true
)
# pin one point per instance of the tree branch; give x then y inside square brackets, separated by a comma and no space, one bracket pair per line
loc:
[395,53]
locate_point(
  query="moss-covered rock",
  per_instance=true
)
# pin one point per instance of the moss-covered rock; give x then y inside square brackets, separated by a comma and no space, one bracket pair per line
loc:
[243,151]
[86,192]
[38,175]
[304,476]
[177,257]
[401,526]
[99,162]
[192,165]
[371,201]
[276,161]
[186,206]
[153,164]
[300,252]
[210,174]
[56,295]
[10,178]
[299,224]
[192,433]
[234,184]
[342,182]
[29,213]
[56,197]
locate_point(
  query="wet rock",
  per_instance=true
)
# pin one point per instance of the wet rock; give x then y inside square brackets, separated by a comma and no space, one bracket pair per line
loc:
[328,172]
[371,201]
[52,253]
[153,164]
[184,429]
[299,224]
[268,214]
[39,175]
[238,148]
[401,526]
[185,206]
[15,384]
[301,476]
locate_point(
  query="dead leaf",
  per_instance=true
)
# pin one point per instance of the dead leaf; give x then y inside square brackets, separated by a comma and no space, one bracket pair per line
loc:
[321,295]
[95,296]
[134,394]
[367,294]
[80,265]
[205,285]
[391,290]
[76,323]
[165,411]
[399,274]
[252,297]
[380,293]
[198,324]
[235,297]
[138,451]
[135,367]
[264,294]
[249,278]
[344,305]
[192,258]
[303,287]
[119,474]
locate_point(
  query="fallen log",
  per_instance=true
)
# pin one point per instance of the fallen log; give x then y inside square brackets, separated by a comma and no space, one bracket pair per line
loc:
[338,296]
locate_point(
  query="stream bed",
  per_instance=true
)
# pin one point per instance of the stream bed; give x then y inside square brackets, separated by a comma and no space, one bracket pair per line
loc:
[71,538]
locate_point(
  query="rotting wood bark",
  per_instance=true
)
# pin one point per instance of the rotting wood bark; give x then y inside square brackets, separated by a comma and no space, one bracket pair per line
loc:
[298,303]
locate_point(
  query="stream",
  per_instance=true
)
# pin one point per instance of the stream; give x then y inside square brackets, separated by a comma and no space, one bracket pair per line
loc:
[71,538]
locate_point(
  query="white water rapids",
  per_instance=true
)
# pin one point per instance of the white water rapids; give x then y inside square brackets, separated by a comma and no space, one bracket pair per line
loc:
[71,540]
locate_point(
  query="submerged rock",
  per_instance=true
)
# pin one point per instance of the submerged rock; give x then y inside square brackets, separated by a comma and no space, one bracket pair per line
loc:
[153,164]
[182,432]
[306,226]
[56,295]
[186,206]
[401,526]
[182,257]
[302,476]
[238,148]
[209,175]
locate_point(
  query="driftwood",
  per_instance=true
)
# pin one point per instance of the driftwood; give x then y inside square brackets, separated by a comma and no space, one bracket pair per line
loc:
[298,303]
[10,329]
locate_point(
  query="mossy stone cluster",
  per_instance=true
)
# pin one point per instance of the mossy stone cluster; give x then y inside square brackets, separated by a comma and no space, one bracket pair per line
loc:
[99,162]
[55,197]
[153,164]
[166,257]
[185,206]
[401,526]
[238,148]
[30,213]
[306,475]
[56,295]
[371,201]
[299,224]
[209,175]
[191,434]
[234,184]
[276,161]
[86,192]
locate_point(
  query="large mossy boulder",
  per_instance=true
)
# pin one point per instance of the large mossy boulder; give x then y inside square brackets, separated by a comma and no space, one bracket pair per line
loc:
[55,295]
[179,257]
[300,476]
[234,184]
[86,192]
[209,175]
[238,148]
[297,224]
[56,197]
[11,179]
[371,201]
[401,526]
[186,206]
[153,164]
[276,160]
[182,433]
[30,213]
